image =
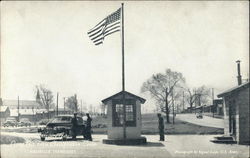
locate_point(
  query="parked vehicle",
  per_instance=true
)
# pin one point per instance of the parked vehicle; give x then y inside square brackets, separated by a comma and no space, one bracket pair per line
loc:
[10,122]
[199,115]
[24,122]
[61,126]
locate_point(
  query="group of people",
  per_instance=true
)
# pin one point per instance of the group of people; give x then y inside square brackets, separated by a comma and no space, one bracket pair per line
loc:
[87,132]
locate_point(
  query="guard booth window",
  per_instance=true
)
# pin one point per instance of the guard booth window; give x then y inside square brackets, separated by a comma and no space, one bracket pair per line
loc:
[118,116]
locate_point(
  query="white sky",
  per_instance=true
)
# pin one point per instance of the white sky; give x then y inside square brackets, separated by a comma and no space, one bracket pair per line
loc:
[47,43]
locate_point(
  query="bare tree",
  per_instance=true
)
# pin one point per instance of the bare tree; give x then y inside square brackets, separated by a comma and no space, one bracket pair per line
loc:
[198,96]
[103,108]
[44,97]
[190,97]
[71,104]
[203,95]
[160,86]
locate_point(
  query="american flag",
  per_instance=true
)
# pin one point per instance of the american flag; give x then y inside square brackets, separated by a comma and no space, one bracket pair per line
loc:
[107,26]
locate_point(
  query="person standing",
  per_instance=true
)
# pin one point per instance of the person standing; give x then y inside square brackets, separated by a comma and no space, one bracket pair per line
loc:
[88,127]
[74,126]
[161,127]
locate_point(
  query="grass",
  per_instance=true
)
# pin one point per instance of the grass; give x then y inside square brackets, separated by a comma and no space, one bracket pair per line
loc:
[150,126]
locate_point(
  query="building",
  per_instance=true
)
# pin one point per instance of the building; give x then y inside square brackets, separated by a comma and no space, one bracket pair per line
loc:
[215,110]
[236,113]
[29,109]
[4,113]
[118,131]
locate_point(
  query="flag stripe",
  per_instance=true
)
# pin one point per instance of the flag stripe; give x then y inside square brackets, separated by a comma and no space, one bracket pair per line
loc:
[95,33]
[110,27]
[97,26]
[98,39]
[111,32]
[114,28]
[98,43]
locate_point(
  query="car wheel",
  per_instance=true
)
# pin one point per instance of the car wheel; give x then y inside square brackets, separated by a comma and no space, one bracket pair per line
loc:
[42,138]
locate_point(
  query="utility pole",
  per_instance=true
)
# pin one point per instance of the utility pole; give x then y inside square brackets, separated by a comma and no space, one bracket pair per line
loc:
[213,108]
[81,106]
[75,103]
[57,104]
[64,104]
[18,114]
[195,101]
[47,102]
[183,102]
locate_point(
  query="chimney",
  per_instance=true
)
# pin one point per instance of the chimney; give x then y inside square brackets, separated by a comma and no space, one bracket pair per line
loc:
[238,69]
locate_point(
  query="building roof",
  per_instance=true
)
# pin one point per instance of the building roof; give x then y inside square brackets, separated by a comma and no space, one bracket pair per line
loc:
[126,93]
[3,108]
[14,112]
[22,103]
[234,89]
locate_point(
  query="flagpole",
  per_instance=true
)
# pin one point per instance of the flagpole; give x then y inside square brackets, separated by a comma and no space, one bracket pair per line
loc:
[123,77]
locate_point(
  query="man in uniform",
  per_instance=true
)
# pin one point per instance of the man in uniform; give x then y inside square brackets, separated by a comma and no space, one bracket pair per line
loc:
[88,127]
[74,126]
[161,127]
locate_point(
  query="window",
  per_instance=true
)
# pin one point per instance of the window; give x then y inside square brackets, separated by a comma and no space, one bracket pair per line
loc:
[118,117]
[129,113]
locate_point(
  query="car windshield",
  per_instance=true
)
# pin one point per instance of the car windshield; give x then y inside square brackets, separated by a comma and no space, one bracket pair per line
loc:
[57,119]
[10,119]
[61,119]
[66,119]
[24,120]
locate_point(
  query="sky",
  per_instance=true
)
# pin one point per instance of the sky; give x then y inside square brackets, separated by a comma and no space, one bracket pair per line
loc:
[47,43]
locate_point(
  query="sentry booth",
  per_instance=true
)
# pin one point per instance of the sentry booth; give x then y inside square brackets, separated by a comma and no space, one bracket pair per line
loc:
[115,118]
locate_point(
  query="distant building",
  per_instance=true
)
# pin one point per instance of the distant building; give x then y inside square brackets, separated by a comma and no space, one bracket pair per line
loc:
[62,111]
[236,113]
[215,110]
[218,106]
[27,109]
[4,113]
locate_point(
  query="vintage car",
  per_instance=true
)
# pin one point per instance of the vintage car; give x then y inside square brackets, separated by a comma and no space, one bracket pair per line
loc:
[61,126]
[24,122]
[199,115]
[10,122]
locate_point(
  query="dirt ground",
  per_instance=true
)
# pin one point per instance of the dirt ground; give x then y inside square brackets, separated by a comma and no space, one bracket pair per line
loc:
[174,146]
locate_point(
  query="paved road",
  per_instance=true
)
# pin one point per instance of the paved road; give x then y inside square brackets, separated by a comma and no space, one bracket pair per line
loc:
[174,146]
[206,121]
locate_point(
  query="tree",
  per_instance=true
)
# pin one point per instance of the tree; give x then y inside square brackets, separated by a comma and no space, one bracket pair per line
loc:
[203,95]
[198,96]
[103,108]
[71,103]
[44,97]
[190,97]
[161,86]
